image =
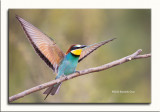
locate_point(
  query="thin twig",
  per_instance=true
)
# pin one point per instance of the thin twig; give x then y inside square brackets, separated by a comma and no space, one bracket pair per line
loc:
[80,73]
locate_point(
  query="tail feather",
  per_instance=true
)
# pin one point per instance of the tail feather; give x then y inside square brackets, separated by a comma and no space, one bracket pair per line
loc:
[48,90]
[52,90]
[56,89]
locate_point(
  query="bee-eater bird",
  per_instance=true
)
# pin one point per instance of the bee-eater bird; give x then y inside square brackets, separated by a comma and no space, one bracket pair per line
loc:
[62,64]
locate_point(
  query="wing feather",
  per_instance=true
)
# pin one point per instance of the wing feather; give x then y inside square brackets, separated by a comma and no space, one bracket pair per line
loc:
[86,51]
[45,47]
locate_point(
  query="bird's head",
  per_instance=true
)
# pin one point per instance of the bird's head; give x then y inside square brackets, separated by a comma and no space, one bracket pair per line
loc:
[76,49]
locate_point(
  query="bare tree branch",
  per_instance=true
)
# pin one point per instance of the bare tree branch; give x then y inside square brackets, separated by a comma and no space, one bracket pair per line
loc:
[80,73]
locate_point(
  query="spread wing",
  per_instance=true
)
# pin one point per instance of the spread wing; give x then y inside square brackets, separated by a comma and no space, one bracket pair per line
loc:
[45,47]
[86,51]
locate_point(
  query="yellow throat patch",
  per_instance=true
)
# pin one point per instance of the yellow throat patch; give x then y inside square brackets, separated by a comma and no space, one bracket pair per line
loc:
[76,52]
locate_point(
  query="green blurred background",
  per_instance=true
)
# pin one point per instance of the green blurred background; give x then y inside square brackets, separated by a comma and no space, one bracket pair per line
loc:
[131,27]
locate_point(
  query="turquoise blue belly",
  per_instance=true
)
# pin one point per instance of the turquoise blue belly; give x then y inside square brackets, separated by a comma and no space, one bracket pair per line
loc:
[68,65]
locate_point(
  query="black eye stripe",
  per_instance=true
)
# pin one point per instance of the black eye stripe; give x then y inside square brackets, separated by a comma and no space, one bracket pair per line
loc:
[74,47]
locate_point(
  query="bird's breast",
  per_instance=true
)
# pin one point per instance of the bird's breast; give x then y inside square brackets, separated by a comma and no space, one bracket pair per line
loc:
[68,65]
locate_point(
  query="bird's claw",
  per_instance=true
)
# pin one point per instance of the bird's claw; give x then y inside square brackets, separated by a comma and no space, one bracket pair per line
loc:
[65,77]
[77,72]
